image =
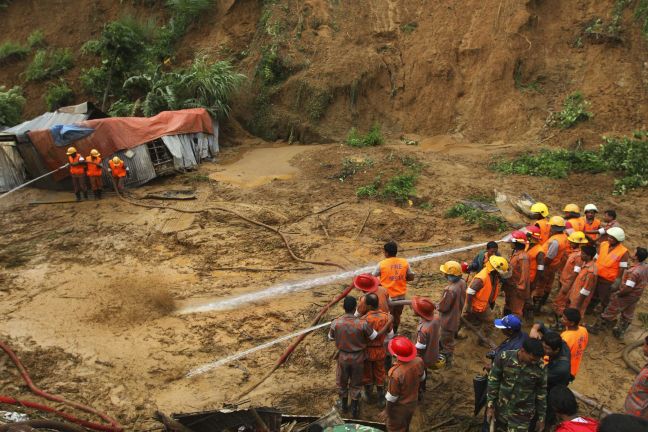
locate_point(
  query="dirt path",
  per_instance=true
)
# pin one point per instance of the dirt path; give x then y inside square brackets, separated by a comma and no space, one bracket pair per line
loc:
[89,290]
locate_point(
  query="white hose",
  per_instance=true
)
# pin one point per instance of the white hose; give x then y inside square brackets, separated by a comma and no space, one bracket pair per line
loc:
[32,181]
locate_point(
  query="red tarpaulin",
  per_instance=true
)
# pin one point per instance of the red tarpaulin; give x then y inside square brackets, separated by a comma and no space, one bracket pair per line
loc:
[121,133]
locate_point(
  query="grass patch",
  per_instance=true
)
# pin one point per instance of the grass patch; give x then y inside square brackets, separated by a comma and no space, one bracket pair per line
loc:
[49,64]
[628,156]
[535,85]
[552,163]
[485,221]
[12,103]
[197,178]
[400,187]
[351,167]
[11,51]
[641,15]
[373,138]
[58,95]
[409,27]
[370,190]
[574,111]
[36,39]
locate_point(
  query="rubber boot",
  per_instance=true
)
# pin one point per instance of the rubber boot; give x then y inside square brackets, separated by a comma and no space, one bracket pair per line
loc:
[85,194]
[355,408]
[620,329]
[600,325]
[78,196]
[380,396]
[537,304]
[368,392]
[100,191]
[343,404]
[528,312]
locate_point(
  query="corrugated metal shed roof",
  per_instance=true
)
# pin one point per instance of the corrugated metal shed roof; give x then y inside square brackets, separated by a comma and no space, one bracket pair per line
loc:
[45,121]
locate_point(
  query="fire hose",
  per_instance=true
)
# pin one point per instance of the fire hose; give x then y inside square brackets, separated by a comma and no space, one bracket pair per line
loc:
[112,426]
[626,355]
[40,424]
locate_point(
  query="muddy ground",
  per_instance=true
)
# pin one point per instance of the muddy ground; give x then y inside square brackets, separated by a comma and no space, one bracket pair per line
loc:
[90,292]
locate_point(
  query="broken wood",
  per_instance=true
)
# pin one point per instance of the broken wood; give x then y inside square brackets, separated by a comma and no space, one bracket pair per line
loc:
[170,425]
[363,224]
[438,425]
[262,269]
[323,225]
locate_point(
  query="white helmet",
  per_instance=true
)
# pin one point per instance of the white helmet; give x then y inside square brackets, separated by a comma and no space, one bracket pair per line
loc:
[590,207]
[617,233]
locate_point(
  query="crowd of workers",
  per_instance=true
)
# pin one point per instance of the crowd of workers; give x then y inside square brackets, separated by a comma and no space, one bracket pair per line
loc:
[529,373]
[92,168]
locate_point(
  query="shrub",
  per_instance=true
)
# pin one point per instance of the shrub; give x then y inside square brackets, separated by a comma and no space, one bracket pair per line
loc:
[36,39]
[409,27]
[486,221]
[400,188]
[641,14]
[11,105]
[94,80]
[49,64]
[574,111]
[373,138]
[58,95]
[350,167]
[11,51]
[370,190]
[122,108]
[553,163]
[628,156]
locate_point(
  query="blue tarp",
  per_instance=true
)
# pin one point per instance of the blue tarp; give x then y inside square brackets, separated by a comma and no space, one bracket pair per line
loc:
[65,135]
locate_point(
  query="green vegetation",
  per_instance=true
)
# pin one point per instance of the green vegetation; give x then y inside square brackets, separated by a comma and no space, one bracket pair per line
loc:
[627,156]
[49,64]
[36,39]
[58,95]
[11,105]
[486,221]
[11,51]
[574,111]
[373,138]
[400,187]
[600,31]
[643,319]
[351,167]
[196,178]
[535,85]
[641,15]
[370,190]
[409,27]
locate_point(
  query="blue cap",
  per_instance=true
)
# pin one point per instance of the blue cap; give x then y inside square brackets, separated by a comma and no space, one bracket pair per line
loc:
[510,322]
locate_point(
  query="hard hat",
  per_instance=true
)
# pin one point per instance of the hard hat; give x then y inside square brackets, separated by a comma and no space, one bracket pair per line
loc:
[518,237]
[509,322]
[533,232]
[577,237]
[498,263]
[464,267]
[540,208]
[423,307]
[70,151]
[402,348]
[451,268]
[366,282]
[440,363]
[94,152]
[116,160]
[557,221]
[590,207]
[571,208]
[617,233]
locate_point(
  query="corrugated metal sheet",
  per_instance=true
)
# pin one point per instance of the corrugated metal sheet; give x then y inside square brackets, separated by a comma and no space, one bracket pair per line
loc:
[45,121]
[140,165]
[12,169]
[189,149]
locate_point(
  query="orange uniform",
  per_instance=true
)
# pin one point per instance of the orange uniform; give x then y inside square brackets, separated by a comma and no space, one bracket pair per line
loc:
[374,366]
[393,276]
[536,259]
[545,230]
[567,277]
[576,224]
[79,169]
[484,290]
[383,302]
[517,287]
[611,261]
[118,170]
[582,290]
[594,226]
[576,340]
[557,245]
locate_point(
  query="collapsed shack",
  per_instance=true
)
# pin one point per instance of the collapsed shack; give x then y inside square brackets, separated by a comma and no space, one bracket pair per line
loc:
[170,142]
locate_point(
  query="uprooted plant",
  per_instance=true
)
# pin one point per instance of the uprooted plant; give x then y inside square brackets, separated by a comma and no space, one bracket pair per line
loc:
[486,221]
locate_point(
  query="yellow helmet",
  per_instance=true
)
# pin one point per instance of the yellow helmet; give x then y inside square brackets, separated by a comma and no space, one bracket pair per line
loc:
[116,160]
[94,152]
[451,268]
[440,363]
[577,237]
[557,221]
[498,263]
[571,208]
[540,208]
[70,151]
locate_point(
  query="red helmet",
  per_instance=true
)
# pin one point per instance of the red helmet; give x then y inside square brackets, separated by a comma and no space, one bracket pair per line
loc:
[533,232]
[518,237]
[464,267]
[423,307]
[402,348]
[366,282]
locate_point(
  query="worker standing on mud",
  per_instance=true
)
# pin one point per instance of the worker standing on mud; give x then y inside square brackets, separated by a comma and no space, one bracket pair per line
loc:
[351,335]
[554,250]
[394,273]
[450,307]
[484,289]
[573,220]
[403,386]
[592,223]
[517,389]
[612,262]
[369,284]
[624,301]
[77,172]
[569,272]
[374,365]
[636,402]
[582,290]
[119,172]
[427,334]
[93,163]
[540,213]
[480,260]
[575,336]
[535,252]
[517,287]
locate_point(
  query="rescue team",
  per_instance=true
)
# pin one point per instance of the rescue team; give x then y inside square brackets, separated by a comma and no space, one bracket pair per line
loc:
[529,374]
[92,167]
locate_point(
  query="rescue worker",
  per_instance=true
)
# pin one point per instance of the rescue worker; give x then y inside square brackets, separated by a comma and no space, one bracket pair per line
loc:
[575,336]
[94,171]
[481,258]
[554,254]
[351,335]
[636,402]
[563,402]
[484,289]
[582,290]
[517,287]
[77,173]
[535,252]
[374,365]
[369,284]
[403,387]
[450,307]
[569,272]
[540,213]
[427,334]
[119,172]
[592,223]
[573,219]
[394,273]
[517,389]
[609,221]
[612,262]
[626,298]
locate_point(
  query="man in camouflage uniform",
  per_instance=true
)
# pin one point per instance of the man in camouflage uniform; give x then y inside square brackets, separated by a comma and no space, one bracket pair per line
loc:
[517,389]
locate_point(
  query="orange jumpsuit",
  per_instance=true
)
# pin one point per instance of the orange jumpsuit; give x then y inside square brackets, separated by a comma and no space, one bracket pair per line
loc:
[567,277]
